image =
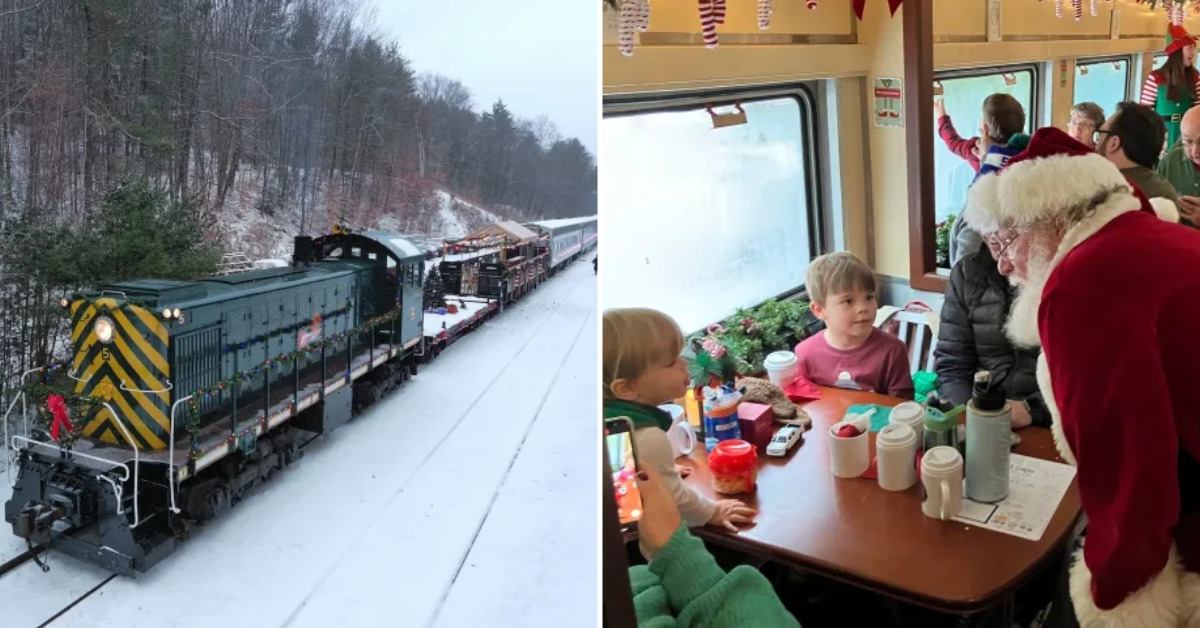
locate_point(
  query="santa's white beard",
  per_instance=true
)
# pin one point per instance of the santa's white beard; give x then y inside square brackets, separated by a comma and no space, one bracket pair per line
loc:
[1022,325]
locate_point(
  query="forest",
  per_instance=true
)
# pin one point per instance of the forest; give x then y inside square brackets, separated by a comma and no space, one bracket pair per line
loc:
[132,130]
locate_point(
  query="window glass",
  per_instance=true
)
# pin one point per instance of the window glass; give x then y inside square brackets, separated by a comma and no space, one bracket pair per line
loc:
[1102,82]
[963,97]
[705,220]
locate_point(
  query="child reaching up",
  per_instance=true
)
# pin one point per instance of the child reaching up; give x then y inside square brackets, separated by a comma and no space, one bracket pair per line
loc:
[850,352]
[642,369]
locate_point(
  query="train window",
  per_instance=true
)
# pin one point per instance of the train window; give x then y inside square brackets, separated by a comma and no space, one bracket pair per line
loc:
[963,94]
[710,219]
[356,252]
[372,255]
[1102,81]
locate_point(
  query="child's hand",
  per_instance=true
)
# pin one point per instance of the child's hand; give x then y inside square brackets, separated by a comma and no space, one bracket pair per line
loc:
[729,512]
[939,109]
[683,470]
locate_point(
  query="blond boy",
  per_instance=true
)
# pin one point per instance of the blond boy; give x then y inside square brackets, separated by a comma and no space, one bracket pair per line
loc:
[642,369]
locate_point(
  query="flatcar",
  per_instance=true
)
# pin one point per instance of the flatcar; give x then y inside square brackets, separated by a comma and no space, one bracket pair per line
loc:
[502,261]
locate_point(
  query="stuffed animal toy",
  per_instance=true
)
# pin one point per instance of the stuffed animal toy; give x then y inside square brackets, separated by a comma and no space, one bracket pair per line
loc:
[763,391]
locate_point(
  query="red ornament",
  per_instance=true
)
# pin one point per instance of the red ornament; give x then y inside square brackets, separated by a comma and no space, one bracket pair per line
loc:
[58,408]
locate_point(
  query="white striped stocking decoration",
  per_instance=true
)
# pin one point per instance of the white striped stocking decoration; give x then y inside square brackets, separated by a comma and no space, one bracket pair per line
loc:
[764,14]
[626,26]
[643,15]
[708,23]
[719,11]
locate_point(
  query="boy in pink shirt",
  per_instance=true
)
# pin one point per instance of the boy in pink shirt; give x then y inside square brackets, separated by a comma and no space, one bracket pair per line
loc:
[850,352]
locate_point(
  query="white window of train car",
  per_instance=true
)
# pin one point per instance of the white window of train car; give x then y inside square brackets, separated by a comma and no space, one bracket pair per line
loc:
[1104,82]
[706,220]
[963,95]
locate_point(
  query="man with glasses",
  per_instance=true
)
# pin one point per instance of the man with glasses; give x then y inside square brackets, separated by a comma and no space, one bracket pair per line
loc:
[1131,139]
[1181,167]
[1110,294]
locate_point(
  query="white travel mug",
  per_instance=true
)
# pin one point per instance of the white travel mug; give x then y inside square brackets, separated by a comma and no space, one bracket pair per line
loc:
[782,368]
[896,451]
[680,434]
[912,414]
[848,457]
[942,482]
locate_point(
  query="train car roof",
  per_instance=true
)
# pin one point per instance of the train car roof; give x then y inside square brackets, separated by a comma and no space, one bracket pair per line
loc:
[559,223]
[404,247]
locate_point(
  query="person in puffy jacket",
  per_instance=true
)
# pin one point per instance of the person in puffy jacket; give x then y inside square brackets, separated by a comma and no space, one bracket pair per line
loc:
[971,338]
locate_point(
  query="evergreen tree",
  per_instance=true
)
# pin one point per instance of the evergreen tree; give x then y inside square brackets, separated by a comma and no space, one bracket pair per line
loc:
[435,294]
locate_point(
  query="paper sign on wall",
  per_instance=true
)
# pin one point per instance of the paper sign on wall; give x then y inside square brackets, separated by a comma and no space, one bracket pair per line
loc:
[993,20]
[889,102]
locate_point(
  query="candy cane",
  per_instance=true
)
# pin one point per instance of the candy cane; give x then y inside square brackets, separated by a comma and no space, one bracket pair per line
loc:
[718,11]
[764,14]
[1078,6]
[1177,14]
[626,27]
[643,15]
[708,23]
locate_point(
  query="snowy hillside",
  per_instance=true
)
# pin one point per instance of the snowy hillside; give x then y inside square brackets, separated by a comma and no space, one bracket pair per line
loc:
[439,214]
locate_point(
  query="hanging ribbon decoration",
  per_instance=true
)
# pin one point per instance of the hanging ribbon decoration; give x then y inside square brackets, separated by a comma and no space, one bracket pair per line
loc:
[58,409]
[860,5]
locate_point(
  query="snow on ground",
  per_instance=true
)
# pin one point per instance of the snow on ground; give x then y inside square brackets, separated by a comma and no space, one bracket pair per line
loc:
[455,216]
[467,493]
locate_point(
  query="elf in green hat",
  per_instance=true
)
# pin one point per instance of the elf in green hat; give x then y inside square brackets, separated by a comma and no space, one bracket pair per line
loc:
[1174,87]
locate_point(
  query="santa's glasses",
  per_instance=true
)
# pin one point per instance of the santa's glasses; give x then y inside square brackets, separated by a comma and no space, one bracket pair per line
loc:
[1002,248]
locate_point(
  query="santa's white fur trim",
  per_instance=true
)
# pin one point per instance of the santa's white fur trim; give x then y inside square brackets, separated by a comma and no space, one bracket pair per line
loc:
[1034,189]
[1189,591]
[1156,605]
[1056,429]
[1165,209]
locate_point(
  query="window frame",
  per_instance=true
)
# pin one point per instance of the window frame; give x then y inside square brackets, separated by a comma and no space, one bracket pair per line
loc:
[805,95]
[919,133]
[1130,84]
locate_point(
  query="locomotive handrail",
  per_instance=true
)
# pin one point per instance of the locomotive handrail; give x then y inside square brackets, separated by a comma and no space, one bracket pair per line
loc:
[128,437]
[171,455]
[24,419]
[150,392]
[72,376]
[74,453]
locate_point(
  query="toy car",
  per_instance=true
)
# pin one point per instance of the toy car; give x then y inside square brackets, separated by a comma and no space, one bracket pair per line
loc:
[783,440]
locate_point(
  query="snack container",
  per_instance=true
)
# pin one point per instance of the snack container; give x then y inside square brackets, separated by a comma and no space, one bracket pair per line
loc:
[734,467]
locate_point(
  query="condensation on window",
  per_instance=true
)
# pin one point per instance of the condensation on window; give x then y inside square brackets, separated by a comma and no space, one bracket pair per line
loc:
[964,98]
[1102,82]
[700,221]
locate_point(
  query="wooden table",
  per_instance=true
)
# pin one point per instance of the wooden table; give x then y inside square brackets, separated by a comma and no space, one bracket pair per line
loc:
[853,531]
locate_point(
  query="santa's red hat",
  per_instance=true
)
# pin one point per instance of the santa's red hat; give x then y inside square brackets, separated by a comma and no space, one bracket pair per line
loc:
[1055,176]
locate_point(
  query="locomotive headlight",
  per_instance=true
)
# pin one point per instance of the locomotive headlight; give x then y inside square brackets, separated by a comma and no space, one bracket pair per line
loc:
[104,329]
[63,302]
[166,313]
[177,313]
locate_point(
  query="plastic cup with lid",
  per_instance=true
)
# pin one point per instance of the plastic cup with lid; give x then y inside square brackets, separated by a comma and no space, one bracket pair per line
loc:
[782,368]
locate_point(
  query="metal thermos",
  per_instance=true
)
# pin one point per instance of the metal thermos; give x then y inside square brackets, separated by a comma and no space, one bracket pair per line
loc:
[989,436]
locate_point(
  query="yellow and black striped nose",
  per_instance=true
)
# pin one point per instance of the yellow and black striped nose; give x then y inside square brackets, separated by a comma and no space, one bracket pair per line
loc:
[121,358]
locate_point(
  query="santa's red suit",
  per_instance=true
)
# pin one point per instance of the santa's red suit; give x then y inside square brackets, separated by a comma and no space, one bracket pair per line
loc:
[1118,320]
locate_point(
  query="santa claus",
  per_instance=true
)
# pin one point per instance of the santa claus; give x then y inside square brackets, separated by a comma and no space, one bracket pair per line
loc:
[1111,294]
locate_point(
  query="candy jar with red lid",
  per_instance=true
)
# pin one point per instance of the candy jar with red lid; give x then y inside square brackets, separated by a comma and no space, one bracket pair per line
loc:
[734,467]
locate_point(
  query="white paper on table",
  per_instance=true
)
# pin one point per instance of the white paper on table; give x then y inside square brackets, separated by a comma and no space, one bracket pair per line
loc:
[1035,488]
